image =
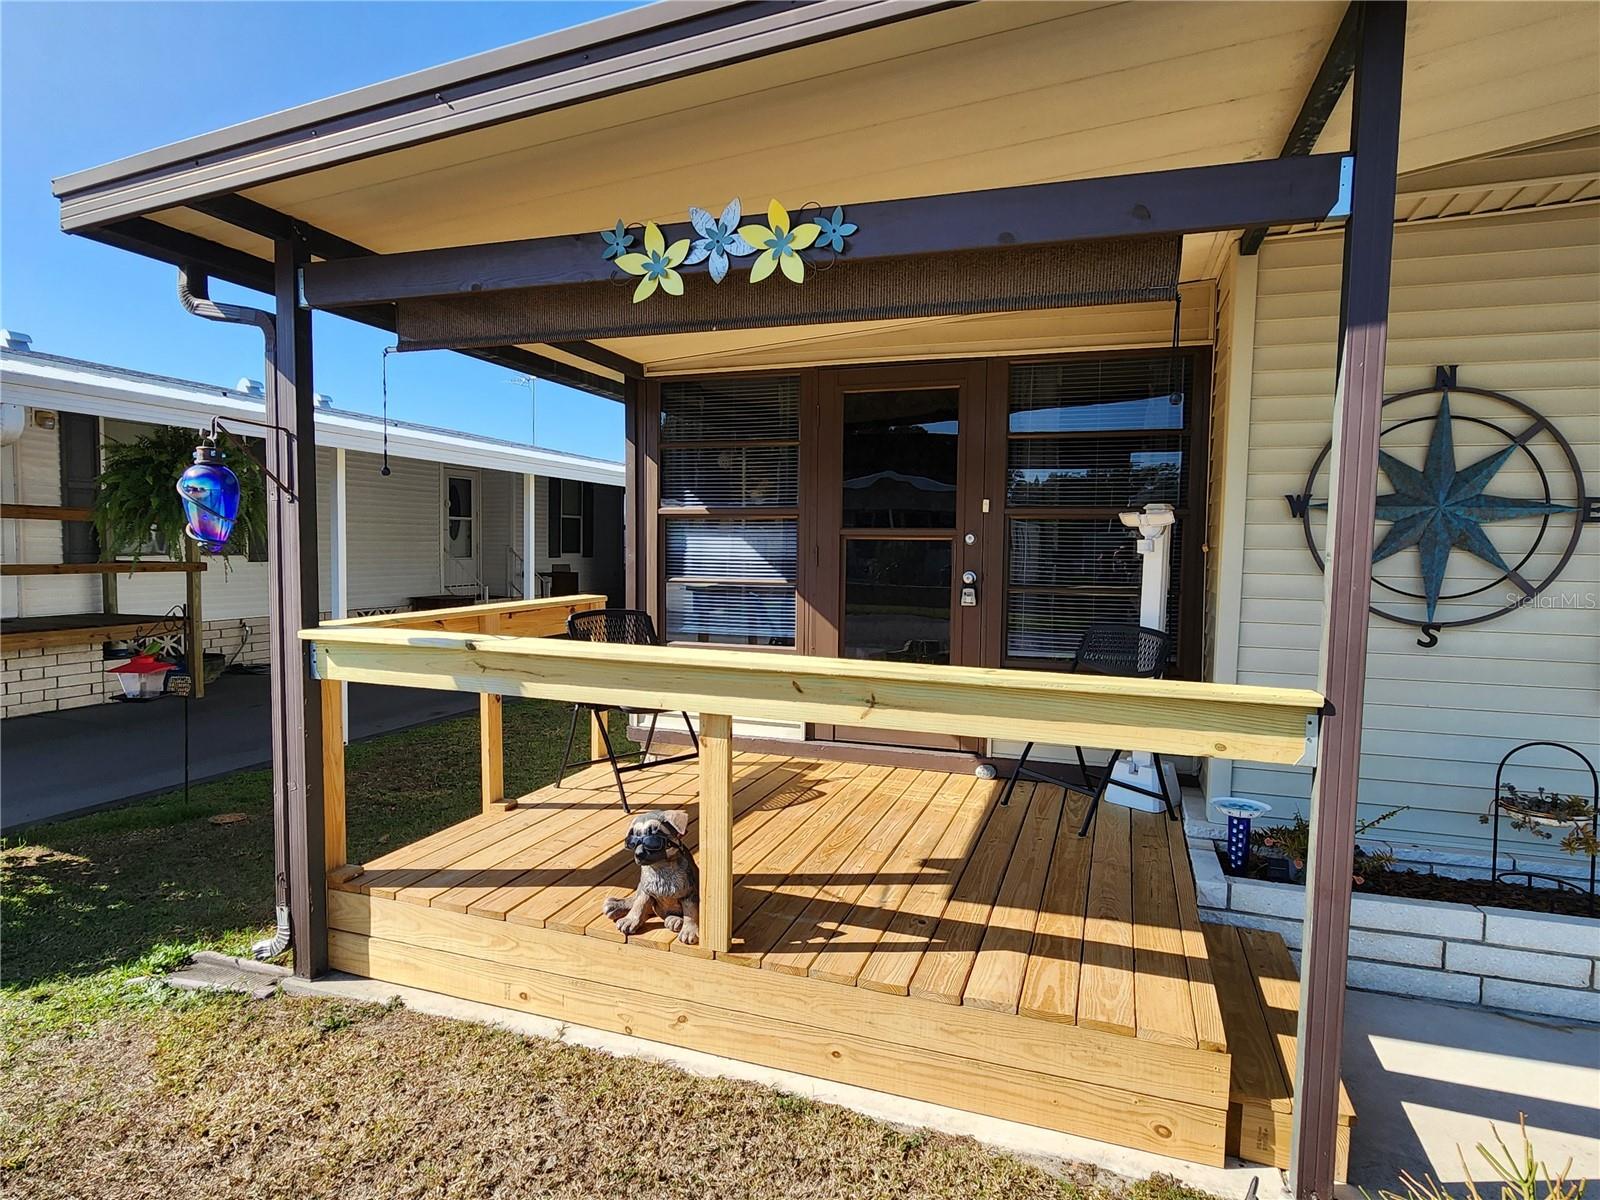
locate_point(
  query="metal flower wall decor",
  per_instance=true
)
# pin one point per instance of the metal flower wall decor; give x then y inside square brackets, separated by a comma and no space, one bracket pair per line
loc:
[777,246]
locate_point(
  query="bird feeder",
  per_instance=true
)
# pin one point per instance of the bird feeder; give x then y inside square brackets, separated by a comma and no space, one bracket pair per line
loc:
[142,677]
[1239,812]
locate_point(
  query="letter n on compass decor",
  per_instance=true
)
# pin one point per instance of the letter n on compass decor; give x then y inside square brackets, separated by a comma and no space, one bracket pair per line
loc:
[1481,502]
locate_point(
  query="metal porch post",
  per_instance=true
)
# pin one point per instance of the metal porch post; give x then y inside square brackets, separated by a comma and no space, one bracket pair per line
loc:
[1363,336]
[294,597]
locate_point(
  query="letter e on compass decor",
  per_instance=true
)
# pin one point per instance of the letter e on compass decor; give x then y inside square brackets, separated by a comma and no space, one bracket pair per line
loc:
[1485,491]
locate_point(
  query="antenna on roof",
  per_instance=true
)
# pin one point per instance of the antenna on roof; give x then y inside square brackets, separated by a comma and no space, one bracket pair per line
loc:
[530,382]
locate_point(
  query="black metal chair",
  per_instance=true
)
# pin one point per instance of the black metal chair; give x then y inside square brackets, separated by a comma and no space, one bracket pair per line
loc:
[1128,651]
[627,627]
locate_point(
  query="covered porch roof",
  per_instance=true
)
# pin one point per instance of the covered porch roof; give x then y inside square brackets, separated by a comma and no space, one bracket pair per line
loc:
[641,115]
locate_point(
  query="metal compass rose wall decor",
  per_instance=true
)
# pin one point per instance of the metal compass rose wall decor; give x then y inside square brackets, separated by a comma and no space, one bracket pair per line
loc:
[1446,505]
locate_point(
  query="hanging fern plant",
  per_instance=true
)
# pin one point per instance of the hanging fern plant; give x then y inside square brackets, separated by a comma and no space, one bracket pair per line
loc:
[138,497]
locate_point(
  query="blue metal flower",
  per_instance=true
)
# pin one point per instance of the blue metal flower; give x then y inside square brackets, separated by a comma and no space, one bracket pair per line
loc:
[834,231]
[719,238]
[617,240]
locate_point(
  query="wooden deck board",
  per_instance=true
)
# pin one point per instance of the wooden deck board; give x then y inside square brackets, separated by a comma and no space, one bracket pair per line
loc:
[942,971]
[1050,987]
[1105,981]
[1163,1008]
[817,923]
[1000,966]
[788,877]
[897,880]
[900,947]
[859,930]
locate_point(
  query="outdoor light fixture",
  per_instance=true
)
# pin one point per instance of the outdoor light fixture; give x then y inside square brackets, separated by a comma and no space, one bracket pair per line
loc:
[1239,812]
[142,677]
[210,493]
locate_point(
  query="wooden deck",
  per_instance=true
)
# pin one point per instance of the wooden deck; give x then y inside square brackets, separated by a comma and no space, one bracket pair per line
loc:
[894,928]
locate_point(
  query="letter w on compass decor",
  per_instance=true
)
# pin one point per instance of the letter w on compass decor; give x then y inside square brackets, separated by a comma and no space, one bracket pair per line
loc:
[1444,507]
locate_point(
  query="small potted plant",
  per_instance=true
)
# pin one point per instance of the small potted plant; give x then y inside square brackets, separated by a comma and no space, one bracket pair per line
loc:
[1284,849]
[1540,812]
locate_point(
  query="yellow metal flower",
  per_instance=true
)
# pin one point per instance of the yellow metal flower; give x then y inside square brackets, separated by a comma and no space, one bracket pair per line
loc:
[779,244]
[657,264]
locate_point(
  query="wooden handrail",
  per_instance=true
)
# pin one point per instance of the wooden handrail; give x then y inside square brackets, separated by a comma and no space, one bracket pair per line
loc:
[101,568]
[1258,724]
[542,617]
[44,512]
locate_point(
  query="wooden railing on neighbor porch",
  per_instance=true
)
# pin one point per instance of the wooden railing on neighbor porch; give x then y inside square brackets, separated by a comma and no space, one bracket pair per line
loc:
[506,650]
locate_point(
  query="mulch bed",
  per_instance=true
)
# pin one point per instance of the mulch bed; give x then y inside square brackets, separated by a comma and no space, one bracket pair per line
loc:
[1507,894]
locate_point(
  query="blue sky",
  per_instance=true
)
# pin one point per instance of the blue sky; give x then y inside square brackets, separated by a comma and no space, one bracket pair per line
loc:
[84,83]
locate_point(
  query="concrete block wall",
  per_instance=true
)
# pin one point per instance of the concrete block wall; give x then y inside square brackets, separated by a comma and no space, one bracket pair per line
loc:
[1538,963]
[51,679]
[57,678]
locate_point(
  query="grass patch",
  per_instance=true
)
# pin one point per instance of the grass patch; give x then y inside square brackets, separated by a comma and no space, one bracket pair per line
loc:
[219,1097]
[113,1085]
[93,902]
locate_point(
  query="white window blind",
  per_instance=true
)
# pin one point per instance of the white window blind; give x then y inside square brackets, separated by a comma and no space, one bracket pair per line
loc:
[730,446]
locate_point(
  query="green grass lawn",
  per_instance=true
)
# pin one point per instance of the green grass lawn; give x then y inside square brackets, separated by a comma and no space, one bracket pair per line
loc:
[116,1086]
[91,902]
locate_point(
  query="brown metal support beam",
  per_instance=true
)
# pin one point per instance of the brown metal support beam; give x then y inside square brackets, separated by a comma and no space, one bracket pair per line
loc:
[293,595]
[1188,200]
[1321,97]
[1363,339]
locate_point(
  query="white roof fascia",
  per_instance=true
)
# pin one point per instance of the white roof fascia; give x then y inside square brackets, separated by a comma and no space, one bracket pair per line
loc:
[63,388]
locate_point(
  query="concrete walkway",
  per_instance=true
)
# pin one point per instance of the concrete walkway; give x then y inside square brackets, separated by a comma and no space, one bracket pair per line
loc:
[54,764]
[1427,1078]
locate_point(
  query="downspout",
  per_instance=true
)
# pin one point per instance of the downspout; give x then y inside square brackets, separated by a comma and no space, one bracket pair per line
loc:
[194,288]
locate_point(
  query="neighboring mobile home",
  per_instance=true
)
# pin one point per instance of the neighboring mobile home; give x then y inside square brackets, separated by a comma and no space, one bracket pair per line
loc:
[459,517]
[1003,271]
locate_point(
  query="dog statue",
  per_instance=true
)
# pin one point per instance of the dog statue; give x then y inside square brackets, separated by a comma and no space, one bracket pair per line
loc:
[669,884]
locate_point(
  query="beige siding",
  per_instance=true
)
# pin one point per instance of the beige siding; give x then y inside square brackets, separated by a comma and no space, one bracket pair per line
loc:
[1515,301]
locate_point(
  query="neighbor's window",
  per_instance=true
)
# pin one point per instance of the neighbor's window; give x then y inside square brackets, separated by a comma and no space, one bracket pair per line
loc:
[730,467]
[571,522]
[1089,438]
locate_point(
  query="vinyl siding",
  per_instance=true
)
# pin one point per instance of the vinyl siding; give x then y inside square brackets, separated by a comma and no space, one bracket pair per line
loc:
[1515,302]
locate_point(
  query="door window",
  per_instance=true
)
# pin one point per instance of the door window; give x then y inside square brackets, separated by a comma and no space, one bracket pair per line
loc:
[458,517]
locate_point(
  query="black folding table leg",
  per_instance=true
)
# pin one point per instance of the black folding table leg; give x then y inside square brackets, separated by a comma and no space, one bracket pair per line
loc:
[1099,791]
[693,740]
[1161,780]
[1016,773]
[616,767]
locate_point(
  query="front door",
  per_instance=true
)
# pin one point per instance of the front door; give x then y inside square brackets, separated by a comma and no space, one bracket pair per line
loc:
[900,522]
[462,565]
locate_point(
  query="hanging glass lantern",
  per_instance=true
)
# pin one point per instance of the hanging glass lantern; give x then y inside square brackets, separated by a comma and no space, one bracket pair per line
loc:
[210,493]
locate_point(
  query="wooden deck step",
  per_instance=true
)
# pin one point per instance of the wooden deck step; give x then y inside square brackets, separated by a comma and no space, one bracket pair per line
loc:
[1260,997]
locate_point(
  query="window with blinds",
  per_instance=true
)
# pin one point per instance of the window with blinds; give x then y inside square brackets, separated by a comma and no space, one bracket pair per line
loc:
[729,507]
[1089,438]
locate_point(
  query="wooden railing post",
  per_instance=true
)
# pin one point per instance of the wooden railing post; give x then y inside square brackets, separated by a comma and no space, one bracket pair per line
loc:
[335,848]
[491,733]
[491,750]
[716,832]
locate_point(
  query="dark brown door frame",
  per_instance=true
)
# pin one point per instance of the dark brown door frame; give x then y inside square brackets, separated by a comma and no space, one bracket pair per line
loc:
[824,546]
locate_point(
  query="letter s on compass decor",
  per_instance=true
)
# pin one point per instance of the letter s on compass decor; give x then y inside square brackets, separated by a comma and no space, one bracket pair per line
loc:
[1513,502]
